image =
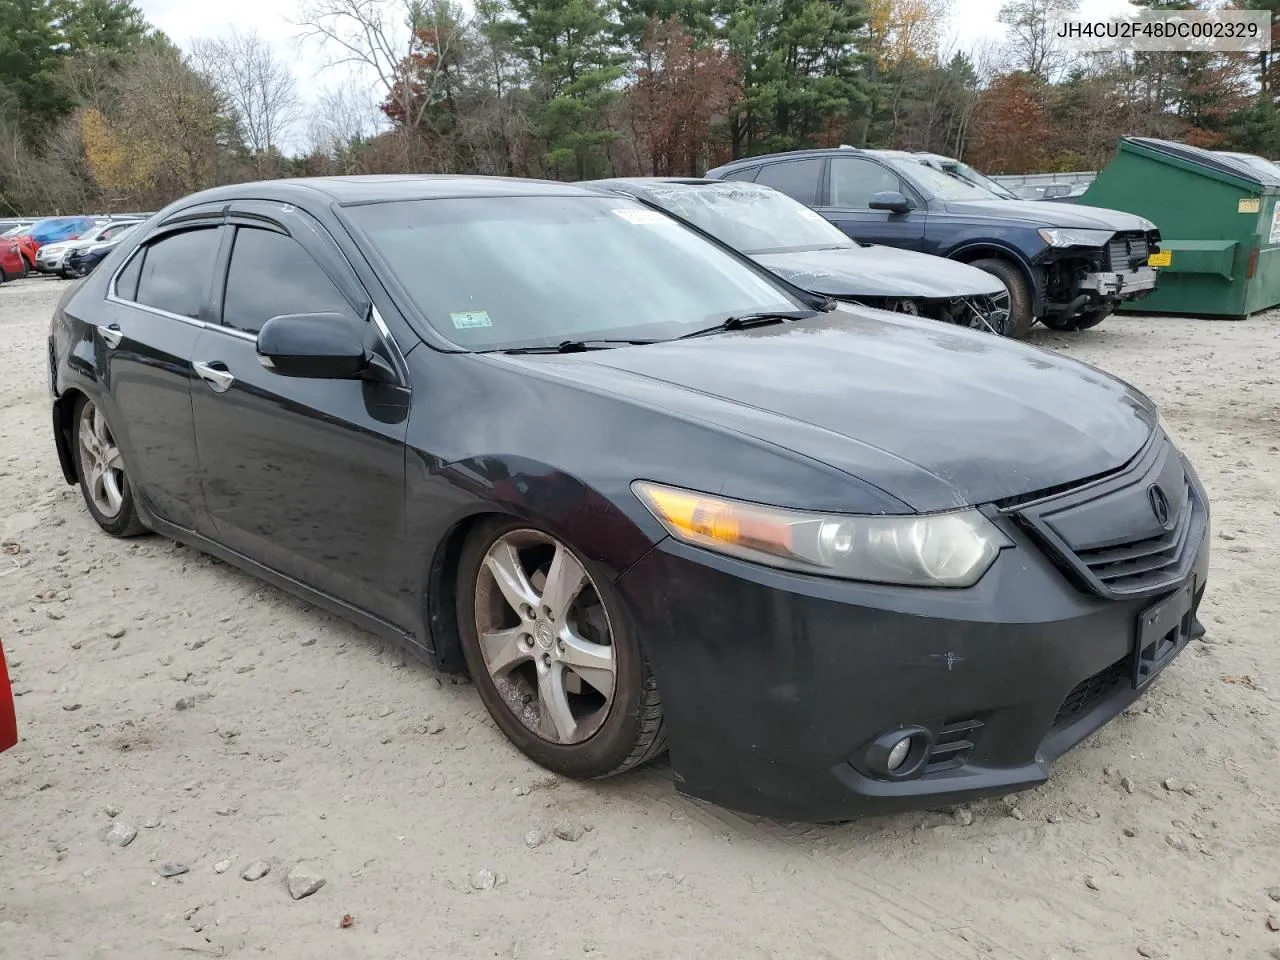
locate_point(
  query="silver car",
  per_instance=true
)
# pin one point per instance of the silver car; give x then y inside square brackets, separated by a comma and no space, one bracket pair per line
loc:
[52,257]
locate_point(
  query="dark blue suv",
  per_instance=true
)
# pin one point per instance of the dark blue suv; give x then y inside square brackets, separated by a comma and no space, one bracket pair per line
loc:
[1066,265]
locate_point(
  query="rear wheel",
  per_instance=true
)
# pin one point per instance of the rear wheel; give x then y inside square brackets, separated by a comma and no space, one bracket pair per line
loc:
[553,656]
[106,489]
[1081,321]
[1019,320]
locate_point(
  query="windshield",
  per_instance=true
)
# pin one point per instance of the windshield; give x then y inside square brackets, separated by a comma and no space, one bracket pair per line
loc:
[965,172]
[942,186]
[750,218]
[492,273]
[19,232]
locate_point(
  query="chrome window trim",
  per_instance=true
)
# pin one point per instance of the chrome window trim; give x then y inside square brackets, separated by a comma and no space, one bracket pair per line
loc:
[402,370]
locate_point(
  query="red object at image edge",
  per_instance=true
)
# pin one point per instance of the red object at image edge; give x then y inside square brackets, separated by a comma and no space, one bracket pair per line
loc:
[8,721]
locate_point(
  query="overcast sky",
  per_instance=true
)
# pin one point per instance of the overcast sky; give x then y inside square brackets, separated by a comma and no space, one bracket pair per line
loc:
[972,23]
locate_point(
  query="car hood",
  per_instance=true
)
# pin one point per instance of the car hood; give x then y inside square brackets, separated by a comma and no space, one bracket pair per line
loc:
[1047,213]
[877,271]
[937,416]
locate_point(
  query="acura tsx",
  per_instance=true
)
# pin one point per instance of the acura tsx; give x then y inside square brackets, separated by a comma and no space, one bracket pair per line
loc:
[648,494]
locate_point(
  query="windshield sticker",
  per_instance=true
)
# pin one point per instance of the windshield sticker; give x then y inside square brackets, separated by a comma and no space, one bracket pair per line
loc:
[632,215]
[470,319]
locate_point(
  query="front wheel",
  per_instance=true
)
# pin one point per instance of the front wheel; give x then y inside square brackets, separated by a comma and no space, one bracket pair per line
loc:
[553,655]
[1018,323]
[106,489]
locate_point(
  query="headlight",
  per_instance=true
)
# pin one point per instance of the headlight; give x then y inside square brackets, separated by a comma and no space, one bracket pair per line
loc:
[1076,238]
[933,550]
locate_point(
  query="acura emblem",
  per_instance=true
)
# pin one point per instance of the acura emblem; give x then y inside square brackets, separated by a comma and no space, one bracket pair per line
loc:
[1159,504]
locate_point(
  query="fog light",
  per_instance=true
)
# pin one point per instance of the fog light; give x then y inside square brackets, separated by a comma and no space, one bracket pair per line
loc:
[898,755]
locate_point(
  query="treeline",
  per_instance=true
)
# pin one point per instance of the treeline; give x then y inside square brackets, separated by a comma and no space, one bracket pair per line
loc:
[100,111]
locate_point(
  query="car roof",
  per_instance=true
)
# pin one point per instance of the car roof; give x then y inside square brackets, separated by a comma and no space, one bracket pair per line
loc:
[842,151]
[348,191]
[645,185]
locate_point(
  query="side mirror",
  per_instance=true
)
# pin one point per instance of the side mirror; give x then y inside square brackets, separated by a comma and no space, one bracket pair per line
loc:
[326,346]
[890,200]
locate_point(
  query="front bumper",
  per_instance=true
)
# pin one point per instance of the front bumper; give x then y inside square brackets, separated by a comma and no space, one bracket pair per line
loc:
[1121,284]
[49,263]
[775,684]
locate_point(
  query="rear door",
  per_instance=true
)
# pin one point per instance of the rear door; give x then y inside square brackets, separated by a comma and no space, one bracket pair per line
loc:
[851,183]
[155,309]
[801,179]
[304,476]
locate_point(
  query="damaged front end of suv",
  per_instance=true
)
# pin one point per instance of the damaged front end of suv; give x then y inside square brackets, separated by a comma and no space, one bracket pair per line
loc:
[1085,273]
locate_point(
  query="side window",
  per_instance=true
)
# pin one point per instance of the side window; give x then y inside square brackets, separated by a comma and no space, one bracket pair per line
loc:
[127,282]
[114,231]
[855,181]
[746,173]
[176,271]
[271,275]
[798,179]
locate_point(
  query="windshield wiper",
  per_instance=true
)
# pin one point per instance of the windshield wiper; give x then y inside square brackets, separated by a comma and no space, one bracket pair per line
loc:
[578,346]
[744,320]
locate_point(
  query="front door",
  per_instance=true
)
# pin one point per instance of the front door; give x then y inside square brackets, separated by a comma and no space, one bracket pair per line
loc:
[852,182]
[306,476]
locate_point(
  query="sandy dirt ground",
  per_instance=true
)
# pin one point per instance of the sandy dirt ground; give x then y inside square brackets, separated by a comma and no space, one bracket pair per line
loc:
[226,723]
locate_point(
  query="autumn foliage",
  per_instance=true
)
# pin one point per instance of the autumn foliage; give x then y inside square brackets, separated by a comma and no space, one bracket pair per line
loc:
[680,92]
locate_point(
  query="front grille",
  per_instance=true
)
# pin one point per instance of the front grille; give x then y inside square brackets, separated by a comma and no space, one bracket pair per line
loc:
[952,746]
[1133,533]
[1142,564]
[1128,251]
[1086,694]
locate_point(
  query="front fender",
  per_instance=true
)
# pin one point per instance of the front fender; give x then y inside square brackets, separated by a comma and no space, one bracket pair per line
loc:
[593,521]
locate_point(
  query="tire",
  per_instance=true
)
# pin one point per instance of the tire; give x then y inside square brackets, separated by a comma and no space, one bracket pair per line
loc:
[102,477]
[1081,321]
[608,733]
[1019,322]
[26,268]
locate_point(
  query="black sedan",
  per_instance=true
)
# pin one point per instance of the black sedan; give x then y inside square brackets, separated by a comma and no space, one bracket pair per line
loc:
[83,257]
[796,243]
[648,494]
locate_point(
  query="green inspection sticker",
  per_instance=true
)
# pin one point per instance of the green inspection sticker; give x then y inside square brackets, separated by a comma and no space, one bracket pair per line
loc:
[470,319]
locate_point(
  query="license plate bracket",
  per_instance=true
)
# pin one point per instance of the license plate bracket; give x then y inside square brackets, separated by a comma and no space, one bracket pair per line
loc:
[1163,629]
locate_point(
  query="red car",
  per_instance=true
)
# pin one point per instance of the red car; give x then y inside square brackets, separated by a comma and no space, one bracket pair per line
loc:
[12,263]
[8,721]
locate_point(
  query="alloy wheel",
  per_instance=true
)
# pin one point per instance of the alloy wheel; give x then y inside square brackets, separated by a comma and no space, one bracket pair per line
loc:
[545,636]
[101,461]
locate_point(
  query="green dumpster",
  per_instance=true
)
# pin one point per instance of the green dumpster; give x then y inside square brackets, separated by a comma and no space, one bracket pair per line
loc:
[1219,220]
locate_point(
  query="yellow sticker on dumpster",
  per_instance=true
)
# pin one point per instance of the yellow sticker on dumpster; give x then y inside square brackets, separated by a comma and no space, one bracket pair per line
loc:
[1161,258]
[1249,205]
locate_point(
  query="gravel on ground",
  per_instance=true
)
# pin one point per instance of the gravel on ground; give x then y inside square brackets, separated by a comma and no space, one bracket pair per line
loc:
[313,775]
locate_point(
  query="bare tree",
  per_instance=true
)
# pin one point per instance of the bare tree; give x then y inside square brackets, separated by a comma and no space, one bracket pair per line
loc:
[408,45]
[255,83]
[342,116]
[1031,26]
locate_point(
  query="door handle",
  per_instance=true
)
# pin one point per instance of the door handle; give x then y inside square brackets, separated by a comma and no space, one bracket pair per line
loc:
[219,380]
[111,334]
